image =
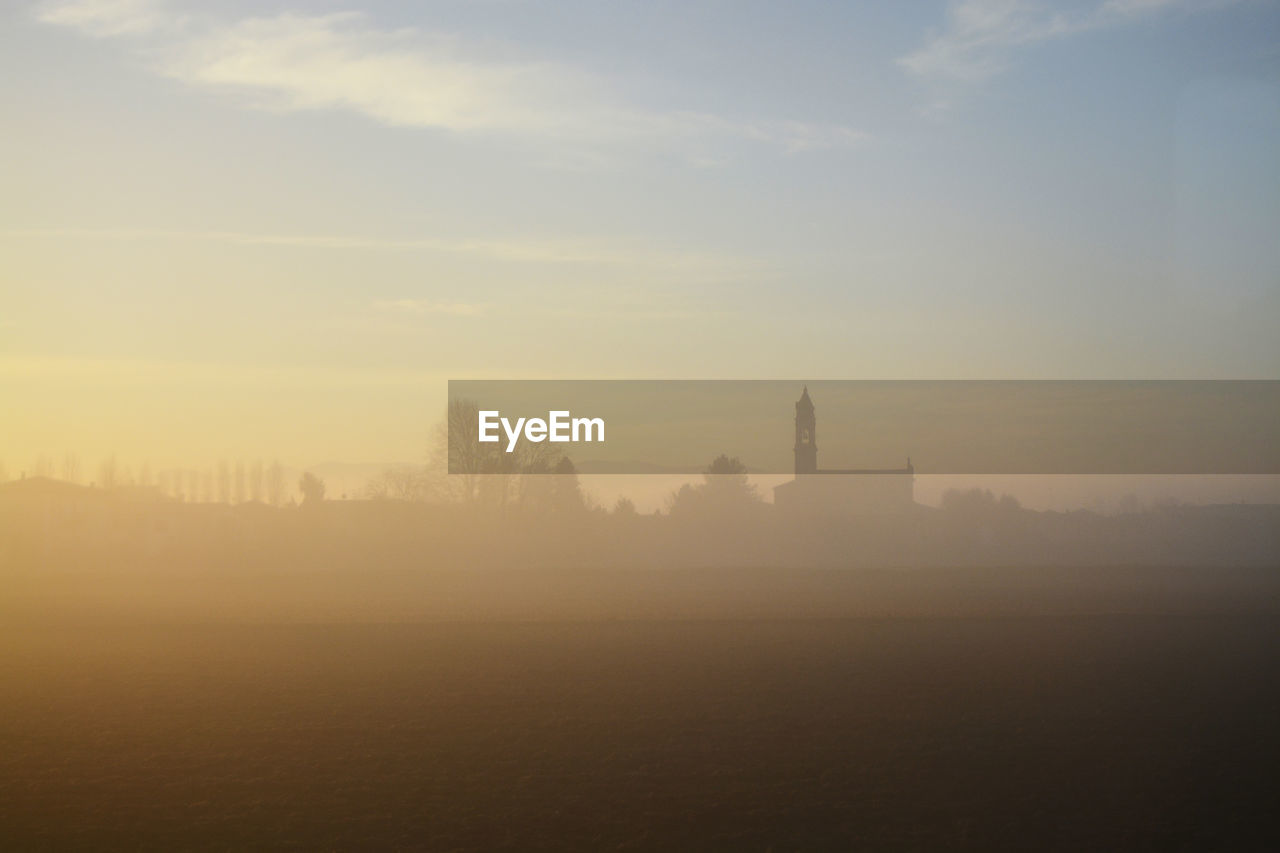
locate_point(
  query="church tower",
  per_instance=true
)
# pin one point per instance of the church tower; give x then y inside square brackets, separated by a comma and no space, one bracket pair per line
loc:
[806,436]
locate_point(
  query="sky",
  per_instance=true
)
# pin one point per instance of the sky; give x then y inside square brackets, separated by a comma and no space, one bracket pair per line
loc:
[276,229]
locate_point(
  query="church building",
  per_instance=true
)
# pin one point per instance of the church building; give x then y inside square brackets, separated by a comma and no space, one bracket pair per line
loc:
[839,491]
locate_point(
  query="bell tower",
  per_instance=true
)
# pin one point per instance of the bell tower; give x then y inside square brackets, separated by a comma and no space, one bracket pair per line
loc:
[806,436]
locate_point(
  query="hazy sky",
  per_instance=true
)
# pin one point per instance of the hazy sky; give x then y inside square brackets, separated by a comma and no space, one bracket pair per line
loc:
[275,229]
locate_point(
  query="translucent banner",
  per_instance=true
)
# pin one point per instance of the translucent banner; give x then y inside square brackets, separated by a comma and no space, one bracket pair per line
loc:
[865,426]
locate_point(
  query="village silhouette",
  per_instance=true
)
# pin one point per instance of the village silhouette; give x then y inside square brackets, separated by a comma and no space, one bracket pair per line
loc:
[528,509]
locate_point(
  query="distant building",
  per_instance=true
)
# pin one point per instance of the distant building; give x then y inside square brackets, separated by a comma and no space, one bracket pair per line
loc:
[839,491]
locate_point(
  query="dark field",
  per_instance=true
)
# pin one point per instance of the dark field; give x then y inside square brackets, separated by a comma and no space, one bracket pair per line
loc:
[1064,732]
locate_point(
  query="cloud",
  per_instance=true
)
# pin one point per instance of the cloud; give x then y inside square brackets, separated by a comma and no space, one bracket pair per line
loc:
[108,18]
[634,256]
[408,78]
[141,373]
[426,306]
[982,34]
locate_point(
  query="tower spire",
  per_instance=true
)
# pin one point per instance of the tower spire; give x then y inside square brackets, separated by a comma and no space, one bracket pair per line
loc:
[806,449]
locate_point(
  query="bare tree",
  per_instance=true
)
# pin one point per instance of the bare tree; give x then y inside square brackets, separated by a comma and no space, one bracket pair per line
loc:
[71,468]
[43,466]
[224,482]
[240,482]
[456,468]
[108,473]
[275,484]
[255,481]
[466,470]
[399,483]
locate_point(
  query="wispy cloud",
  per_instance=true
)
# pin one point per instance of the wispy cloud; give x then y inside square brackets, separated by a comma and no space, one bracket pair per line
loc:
[632,255]
[981,36]
[141,373]
[427,306]
[107,18]
[410,78]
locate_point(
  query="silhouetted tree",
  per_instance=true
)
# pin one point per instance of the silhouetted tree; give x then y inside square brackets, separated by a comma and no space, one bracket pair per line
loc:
[312,489]
[239,481]
[566,489]
[624,507]
[554,489]
[255,481]
[275,484]
[978,504]
[725,490]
